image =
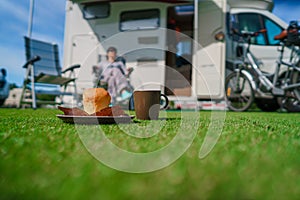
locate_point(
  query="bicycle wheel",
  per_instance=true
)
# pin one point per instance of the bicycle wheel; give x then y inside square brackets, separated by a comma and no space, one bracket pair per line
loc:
[267,105]
[290,101]
[239,94]
[296,79]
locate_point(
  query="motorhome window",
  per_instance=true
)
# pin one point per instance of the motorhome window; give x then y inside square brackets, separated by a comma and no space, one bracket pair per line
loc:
[251,22]
[272,30]
[139,20]
[184,10]
[96,10]
[184,53]
[184,47]
[255,22]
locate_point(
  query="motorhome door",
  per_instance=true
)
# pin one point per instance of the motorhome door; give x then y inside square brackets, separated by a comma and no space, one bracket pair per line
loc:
[180,26]
[209,49]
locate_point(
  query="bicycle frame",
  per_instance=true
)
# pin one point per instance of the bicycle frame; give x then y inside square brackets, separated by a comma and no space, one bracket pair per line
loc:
[291,67]
[254,70]
[270,91]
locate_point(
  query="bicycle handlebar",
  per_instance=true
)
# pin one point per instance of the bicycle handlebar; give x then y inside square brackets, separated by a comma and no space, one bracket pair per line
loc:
[247,34]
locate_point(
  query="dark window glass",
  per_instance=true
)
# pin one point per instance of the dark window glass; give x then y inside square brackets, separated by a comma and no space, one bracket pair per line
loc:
[254,22]
[96,10]
[139,20]
[272,30]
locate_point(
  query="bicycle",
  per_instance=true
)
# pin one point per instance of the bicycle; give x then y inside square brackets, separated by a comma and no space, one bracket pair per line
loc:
[248,83]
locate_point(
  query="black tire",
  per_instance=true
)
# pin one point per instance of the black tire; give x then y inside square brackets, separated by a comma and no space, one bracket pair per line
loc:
[239,94]
[2,102]
[289,104]
[267,105]
[296,79]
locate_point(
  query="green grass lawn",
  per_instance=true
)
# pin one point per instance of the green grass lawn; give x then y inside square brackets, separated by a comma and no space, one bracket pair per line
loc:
[256,157]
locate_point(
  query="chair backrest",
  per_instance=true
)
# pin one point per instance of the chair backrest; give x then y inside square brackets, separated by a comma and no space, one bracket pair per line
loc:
[49,63]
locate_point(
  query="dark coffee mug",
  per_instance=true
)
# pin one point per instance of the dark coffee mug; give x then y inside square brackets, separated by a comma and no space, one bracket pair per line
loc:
[147,104]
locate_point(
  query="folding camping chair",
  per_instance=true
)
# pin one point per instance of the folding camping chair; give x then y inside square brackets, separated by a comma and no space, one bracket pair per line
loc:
[44,74]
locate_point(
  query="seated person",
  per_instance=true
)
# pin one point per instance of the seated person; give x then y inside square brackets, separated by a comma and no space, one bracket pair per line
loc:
[112,72]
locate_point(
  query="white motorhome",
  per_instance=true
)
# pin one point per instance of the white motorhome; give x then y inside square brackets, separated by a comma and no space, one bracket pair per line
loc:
[178,44]
[140,31]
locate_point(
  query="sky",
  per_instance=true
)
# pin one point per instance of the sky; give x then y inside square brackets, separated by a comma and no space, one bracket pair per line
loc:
[48,25]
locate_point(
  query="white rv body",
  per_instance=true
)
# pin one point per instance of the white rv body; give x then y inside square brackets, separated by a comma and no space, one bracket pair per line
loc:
[252,4]
[150,52]
[146,50]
